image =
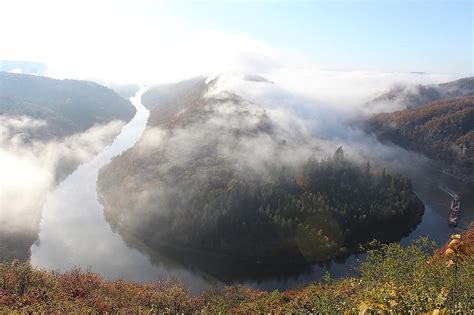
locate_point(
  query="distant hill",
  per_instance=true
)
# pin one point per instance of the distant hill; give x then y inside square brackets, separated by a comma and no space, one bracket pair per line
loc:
[125,90]
[442,130]
[414,96]
[215,172]
[27,67]
[67,106]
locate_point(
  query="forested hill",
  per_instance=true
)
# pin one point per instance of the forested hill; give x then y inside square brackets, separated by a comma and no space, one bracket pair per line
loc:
[442,130]
[406,96]
[217,173]
[392,279]
[166,101]
[67,106]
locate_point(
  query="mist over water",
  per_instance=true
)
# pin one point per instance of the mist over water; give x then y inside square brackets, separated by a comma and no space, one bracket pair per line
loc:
[73,230]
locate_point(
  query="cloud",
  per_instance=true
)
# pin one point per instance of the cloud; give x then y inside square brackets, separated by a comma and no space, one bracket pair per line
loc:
[315,110]
[14,124]
[29,168]
[311,111]
[127,45]
[342,91]
[151,138]
[123,45]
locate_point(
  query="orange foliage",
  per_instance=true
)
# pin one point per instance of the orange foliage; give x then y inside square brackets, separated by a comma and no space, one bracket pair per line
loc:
[302,182]
[24,289]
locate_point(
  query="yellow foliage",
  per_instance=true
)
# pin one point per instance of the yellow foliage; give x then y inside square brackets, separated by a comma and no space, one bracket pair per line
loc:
[463,249]
[397,285]
[456,236]
[450,263]
[454,244]
[449,252]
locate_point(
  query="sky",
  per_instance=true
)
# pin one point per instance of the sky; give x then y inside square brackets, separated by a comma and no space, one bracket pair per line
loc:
[168,40]
[433,36]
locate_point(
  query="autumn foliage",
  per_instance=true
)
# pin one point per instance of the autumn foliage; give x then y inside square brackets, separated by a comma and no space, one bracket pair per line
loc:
[392,279]
[441,130]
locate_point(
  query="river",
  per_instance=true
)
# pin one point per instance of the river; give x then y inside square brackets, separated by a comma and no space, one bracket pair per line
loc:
[74,233]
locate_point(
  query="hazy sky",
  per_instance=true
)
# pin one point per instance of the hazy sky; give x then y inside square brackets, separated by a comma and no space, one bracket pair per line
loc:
[161,41]
[409,35]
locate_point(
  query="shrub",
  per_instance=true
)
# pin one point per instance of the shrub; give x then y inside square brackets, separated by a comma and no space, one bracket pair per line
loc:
[393,279]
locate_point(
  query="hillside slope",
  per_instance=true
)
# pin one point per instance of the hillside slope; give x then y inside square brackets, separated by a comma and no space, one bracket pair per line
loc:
[67,106]
[392,280]
[442,130]
[414,96]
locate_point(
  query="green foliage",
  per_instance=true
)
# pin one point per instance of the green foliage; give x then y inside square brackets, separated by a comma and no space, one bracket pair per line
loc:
[407,280]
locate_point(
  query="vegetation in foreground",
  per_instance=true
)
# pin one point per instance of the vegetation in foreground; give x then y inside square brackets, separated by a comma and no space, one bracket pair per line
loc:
[441,130]
[393,280]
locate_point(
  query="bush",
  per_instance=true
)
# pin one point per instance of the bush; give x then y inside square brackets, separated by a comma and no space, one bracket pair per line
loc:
[393,279]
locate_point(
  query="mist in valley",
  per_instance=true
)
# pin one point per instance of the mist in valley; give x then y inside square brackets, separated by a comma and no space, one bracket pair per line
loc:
[30,169]
[311,111]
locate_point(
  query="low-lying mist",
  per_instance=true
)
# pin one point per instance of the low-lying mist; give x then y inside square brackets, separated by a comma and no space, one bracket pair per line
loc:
[323,108]
[30,168]
[256,123]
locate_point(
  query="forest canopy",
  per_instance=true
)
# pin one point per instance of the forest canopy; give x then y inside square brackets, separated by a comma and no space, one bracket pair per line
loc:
[324,210]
